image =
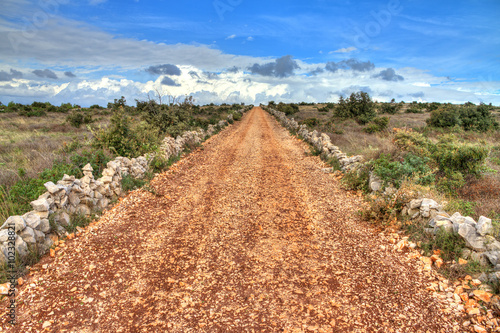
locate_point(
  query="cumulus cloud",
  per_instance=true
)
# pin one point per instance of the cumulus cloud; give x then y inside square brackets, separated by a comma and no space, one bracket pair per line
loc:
[354,64]
[46,73]
[231,37]
[345,50]
[166,69]
[5,76]
[169,82]
[353,89]
[389,74]
[250,39]
[281,67]
[211,75]
[243,87]
[194,75]
[317,71]
[419,94]
[233,69]
[69,74]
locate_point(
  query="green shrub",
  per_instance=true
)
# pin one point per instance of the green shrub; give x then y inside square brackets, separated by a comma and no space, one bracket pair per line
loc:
[449,243]
[65,107]
[124,139]
[288,109]
[237,116]
[130,183]
[310,122]
[97,158]
[371,128]
[28,189]
[453,156]
[394,172]
[359,106]
[464,207]
[27,111]
[445,117]
[413,142]
[414,109]
[78,220]
[378,125]
[357,179]
[389,108]
[76,119]
[451,182]
[477,118]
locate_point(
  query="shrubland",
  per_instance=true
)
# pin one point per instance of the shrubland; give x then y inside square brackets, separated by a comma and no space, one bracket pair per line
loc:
[449,153]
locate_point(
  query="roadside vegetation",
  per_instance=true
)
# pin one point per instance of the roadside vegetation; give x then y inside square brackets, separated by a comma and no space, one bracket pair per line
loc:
[42,142]
[445,152]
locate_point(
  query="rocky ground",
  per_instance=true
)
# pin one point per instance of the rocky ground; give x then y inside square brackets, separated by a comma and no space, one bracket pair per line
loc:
[246,234]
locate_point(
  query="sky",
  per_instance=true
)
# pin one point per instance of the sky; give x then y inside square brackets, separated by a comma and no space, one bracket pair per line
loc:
[232,51]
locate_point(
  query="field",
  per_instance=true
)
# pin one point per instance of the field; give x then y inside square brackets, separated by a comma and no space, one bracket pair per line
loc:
[478,196]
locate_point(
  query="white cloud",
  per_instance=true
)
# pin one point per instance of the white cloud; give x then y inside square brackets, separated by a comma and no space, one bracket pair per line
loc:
[236,87]
[250,39]
[344,50]
[231,37]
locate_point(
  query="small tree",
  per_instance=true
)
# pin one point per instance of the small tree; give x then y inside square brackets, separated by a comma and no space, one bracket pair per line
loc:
[359,106]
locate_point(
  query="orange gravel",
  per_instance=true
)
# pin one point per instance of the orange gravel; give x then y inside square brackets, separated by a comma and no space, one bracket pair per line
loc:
[246,234]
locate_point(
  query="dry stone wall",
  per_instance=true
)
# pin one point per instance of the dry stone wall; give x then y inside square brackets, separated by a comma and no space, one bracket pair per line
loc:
[320,141]
[83,196]
[481,244]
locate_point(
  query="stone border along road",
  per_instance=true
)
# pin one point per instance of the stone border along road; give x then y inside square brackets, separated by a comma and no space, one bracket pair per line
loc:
[246,234]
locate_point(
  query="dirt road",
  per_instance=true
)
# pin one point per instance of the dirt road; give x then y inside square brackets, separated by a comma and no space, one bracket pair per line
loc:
[244,235]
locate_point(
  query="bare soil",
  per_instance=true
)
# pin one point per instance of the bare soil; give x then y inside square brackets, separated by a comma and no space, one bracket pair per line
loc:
[246,234]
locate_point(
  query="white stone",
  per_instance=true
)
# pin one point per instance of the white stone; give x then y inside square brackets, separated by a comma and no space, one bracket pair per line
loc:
[44,226]
[63,219]
[28,235]
[21,247]
[87,167]
[39,236]
[43,215]
[15,221]
[4,235]
[32,220]
[40,205]
[74,199]
[83,210]
[51,187]
[472,239]
[484,226]
[106,179]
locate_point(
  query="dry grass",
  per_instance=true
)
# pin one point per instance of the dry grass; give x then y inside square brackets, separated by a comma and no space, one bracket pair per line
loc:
[34,143]
[485,192]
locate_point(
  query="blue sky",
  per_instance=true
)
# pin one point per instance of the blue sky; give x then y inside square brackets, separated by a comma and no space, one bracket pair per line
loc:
[93,51]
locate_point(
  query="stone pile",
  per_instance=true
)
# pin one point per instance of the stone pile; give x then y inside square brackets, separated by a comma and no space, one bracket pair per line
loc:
[82,196]
[478,236]
[320,141]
